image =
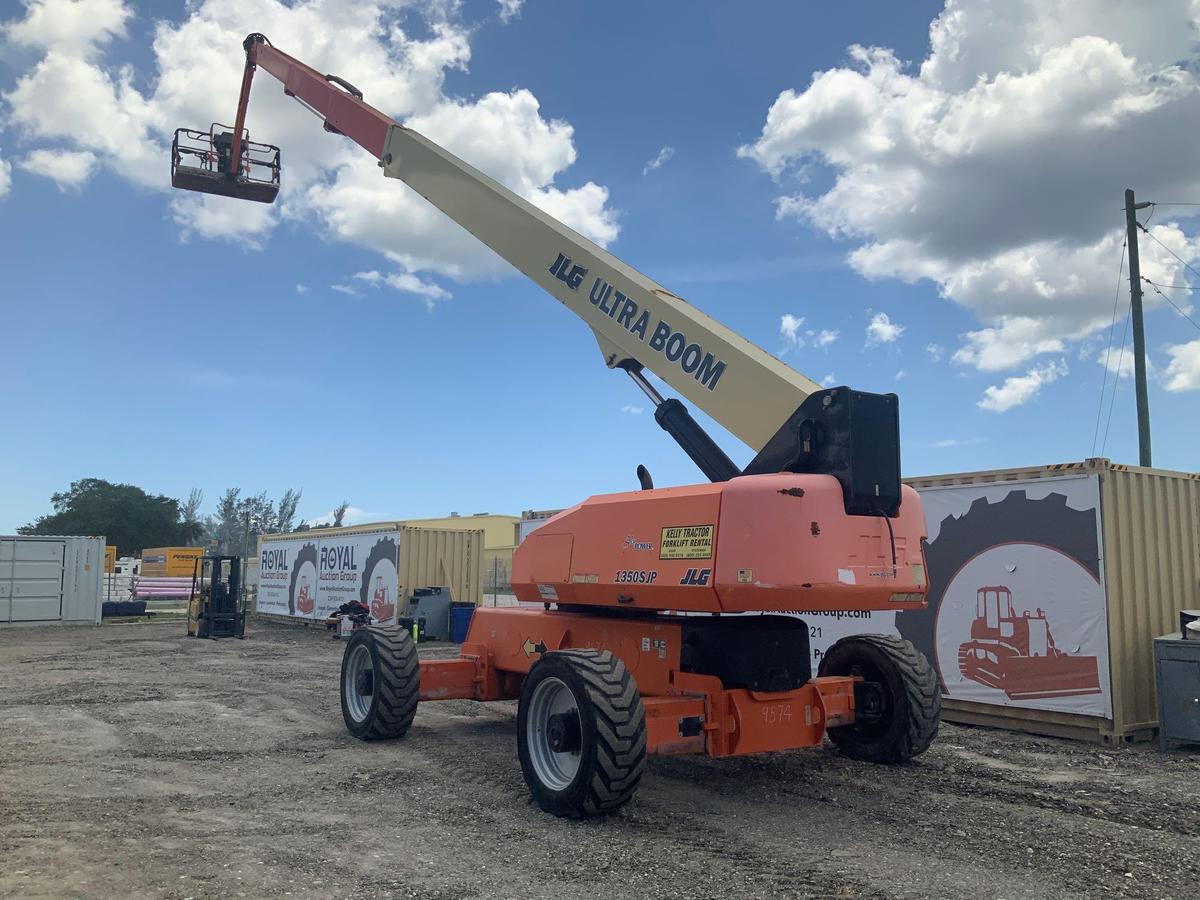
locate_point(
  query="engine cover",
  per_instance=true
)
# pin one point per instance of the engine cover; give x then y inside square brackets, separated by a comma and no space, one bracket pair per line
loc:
[757,543]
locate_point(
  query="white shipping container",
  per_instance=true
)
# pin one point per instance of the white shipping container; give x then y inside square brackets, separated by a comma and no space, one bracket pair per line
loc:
[51,579]
[532,520]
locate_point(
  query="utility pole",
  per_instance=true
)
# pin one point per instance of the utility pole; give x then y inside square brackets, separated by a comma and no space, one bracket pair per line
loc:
[1139,334]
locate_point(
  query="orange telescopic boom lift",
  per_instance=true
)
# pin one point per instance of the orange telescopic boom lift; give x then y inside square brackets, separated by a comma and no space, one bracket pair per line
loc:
[630,649]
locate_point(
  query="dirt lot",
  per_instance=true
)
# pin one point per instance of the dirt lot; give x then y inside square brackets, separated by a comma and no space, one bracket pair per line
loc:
[136,763]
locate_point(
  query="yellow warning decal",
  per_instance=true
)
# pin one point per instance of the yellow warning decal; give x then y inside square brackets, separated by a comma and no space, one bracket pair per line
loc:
[686,542]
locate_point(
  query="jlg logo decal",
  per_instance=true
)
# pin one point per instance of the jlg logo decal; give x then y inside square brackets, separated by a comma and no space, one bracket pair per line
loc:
[697,577]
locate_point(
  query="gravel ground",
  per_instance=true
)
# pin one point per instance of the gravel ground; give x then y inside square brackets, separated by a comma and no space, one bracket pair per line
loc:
[137,763]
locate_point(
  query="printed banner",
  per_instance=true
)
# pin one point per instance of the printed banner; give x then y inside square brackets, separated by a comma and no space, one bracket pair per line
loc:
[1016,611]
[310,578]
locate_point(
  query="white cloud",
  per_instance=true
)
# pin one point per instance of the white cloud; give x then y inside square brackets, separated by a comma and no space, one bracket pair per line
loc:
[825,337]
[1183,372]
[1020,389]
[79,94]
[1116,361]
[407,283]
[789,329]
[66,98]
[393,219]
[882,330]
[1014,340]
[901,374]
[66,168]
[947,443]
[795,336]
[218,379]
[346,289]
[5,176]
[935,351]
[301,288]
[74,27]
[222,218]
[632,410]
[510,9]
[995,167]
[829,380]
[664,155]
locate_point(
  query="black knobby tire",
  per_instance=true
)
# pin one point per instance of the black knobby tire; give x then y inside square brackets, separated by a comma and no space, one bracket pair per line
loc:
[912,698]
[385,548]
[307,553]
[386,710]
[612,733]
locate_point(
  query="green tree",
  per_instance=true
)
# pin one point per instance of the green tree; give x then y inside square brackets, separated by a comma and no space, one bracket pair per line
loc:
[125,514]
[240,520]
[189,512]
[285,512]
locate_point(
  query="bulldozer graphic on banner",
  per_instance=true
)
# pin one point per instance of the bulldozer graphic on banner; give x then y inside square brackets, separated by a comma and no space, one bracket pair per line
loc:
[382,609]
[1016,653]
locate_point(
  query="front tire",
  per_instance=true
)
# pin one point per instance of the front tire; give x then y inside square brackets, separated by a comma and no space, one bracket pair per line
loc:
[381,682]
[581,733]
[911,698]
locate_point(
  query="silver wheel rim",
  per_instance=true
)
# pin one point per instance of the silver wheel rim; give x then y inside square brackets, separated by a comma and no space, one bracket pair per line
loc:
[556,770]
[358,663]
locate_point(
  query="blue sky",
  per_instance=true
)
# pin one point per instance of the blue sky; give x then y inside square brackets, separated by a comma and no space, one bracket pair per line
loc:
[146,350]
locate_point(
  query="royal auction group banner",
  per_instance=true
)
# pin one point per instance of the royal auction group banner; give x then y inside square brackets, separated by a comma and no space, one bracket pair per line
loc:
[310,578]
[1016,612]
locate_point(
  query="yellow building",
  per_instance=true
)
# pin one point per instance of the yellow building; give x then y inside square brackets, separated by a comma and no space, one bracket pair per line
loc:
[500,538]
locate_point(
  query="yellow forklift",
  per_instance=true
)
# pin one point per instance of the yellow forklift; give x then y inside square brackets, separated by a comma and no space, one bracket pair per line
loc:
[217,607]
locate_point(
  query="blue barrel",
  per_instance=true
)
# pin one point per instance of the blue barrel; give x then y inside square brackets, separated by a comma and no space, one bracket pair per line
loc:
[460,621]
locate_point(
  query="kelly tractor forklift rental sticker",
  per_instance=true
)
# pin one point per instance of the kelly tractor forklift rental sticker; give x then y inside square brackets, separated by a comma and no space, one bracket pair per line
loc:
[686,542]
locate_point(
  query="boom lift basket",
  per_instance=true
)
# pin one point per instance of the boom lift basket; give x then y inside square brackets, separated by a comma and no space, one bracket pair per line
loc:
[201,161]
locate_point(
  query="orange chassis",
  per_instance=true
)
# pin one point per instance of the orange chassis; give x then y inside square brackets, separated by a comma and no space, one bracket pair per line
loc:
[685,712]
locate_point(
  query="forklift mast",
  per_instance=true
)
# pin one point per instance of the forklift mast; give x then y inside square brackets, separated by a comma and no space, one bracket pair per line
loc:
[216,608]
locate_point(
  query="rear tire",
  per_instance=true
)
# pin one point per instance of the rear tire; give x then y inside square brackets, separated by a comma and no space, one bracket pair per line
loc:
[380,683]
[911,693]
[581,733]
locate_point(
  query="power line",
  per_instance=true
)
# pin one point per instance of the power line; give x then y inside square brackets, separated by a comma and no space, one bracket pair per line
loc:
[1186,264]
[1178,287]
[1172,302]
[1116,379]
[1108,352]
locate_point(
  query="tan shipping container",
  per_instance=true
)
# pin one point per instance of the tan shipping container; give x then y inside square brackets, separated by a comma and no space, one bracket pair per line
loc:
[1150,558]
[425,557]
[442,556]
[169,562]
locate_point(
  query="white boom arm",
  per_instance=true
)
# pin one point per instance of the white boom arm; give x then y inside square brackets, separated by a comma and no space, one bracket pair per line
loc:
[790,422]
[636,321]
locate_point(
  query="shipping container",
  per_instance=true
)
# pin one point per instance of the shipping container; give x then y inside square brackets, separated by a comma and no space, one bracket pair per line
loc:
[532,520]
[498,530]
[170,562]
[1091,561]
[308,575]
[51,580]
